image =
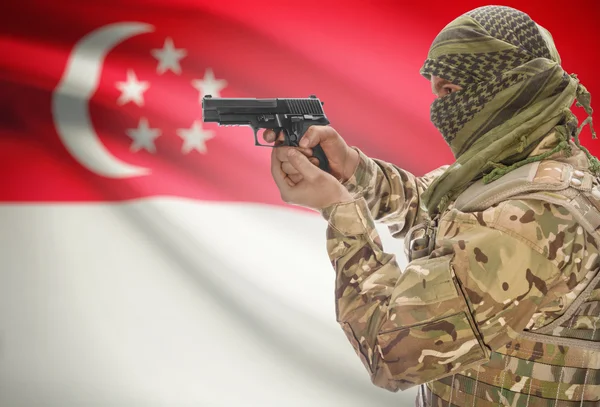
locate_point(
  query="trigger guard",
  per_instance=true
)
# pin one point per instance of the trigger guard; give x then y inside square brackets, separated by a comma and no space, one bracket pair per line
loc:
[276,130]
[255,130]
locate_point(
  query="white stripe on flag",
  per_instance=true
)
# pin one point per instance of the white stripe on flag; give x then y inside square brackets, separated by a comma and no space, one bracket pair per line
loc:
[173,302]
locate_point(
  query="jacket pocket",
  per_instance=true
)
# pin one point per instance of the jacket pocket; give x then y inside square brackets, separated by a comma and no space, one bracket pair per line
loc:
[429,332]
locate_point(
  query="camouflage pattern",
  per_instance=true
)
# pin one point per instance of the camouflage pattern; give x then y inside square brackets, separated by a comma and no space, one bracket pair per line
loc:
[453,322]
[394,203]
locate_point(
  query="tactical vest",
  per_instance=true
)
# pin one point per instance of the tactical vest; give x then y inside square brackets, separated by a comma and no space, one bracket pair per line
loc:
[557,365]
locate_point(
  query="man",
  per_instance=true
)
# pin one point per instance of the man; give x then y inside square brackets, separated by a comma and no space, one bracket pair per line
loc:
[500,303]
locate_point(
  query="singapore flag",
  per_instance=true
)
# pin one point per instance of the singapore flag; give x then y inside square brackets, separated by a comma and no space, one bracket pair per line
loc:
[146,257]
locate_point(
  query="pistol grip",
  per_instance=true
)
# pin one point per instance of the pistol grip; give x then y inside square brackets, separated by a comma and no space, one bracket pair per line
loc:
[319,154]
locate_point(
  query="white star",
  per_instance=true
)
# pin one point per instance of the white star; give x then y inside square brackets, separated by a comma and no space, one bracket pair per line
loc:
[168,57]
[209,85]
[143,136]
[132,90]
[194,138]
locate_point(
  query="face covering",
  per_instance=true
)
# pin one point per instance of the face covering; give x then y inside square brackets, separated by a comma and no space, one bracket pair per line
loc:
[514,93]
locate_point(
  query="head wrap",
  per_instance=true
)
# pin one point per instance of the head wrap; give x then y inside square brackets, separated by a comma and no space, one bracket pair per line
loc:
[514,93]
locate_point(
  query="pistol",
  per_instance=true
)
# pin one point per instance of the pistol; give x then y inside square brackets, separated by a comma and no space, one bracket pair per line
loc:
[292,116]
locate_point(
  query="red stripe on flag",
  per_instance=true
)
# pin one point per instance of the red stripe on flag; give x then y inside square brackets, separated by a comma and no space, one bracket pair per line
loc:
[363,61]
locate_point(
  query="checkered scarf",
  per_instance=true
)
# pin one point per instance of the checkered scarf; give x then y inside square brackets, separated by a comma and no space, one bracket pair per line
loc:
[514,93]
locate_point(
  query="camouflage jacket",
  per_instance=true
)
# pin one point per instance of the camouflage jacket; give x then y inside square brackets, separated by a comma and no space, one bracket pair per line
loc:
[512,267]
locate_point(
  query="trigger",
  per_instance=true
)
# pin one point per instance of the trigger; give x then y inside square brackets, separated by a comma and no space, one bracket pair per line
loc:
[255,130]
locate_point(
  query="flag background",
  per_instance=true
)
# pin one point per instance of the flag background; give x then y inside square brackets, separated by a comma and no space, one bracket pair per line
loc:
[195,285]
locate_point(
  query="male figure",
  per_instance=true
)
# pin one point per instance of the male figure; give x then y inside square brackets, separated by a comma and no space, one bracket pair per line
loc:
[504,308]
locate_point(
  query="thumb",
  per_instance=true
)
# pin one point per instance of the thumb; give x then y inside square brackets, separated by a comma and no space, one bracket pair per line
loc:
[301,163]
[312,137]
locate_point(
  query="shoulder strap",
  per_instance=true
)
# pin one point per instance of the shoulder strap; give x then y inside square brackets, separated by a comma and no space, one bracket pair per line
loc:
[551,181]
[480,196]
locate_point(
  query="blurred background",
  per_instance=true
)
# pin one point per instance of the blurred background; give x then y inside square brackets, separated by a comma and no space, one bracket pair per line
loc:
[146,258]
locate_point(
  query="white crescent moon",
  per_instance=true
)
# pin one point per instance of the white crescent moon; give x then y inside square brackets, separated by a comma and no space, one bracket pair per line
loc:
[72,94]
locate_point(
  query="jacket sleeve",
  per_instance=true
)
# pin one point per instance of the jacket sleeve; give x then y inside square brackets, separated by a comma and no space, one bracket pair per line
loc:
[445,312]
[392,194]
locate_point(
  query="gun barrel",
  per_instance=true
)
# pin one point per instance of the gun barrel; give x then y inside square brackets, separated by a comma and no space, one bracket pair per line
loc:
[211,103]
[213,109]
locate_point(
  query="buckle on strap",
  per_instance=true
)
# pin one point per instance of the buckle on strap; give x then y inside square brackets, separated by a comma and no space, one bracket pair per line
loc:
[420,240]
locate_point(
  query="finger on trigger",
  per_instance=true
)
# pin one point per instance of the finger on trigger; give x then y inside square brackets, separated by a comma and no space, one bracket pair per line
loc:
[269,135]
[314,160]
[277,139]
